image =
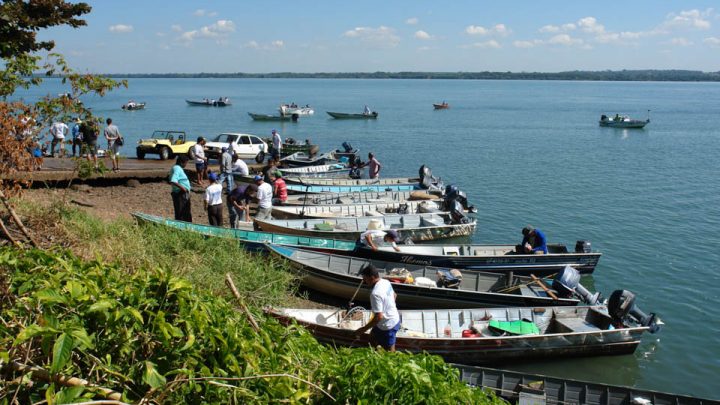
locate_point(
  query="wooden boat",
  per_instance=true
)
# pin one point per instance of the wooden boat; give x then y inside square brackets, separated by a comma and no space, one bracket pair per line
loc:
[415,227]
[357,210]
[443,106]
[359,198]
[267,117]
[133,106]
[490,257]
[337,275]
[301,159]
[249,239]
[339,115]
[223,102]
[554,332]
[524,388]
[623,121]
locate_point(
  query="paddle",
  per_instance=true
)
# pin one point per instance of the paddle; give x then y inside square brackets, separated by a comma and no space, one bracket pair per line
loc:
[544,287]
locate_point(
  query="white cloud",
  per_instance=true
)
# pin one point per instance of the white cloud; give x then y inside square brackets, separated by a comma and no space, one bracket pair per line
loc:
[121,28]
[712,41]
[423,35]
[693,19]
[252,45]
[590,25]
[549,29]
[568,27]
[277,44]
[679,42]
[484,45]
[564,40]
[527,44]
[176,28]
[497,29]
[412,21]
[219,30]
[204,13]
[381,36]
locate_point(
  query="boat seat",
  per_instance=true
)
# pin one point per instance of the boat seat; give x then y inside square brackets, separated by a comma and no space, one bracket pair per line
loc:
[577,325]
[410,222]
[432,222]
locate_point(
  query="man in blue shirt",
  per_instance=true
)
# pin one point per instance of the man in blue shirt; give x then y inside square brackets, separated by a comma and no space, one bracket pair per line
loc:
[181,190]
[534,241]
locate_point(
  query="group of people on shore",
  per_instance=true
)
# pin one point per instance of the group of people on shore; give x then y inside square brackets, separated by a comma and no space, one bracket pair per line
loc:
[84,141]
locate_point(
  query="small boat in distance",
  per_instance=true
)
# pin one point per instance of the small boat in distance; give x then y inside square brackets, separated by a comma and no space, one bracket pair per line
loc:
[442,106]
[293,109]
[268,117]
[131,105]
[221,102]
[623,121]
[339,115]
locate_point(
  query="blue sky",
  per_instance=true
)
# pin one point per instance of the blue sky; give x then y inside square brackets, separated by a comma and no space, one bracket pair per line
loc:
[157,36]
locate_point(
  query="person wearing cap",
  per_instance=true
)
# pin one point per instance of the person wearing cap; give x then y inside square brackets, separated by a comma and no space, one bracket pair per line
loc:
[280,192]
[264,198]
[180,190]
[226,168]
[534,241]
[386,319]
[372,237]
[276,144]
[213,200]
[200,159]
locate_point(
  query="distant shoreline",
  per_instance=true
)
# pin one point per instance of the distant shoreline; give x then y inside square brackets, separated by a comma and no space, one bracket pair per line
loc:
[621,75]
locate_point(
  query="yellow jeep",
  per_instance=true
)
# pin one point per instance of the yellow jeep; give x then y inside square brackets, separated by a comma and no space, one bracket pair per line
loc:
[165,143]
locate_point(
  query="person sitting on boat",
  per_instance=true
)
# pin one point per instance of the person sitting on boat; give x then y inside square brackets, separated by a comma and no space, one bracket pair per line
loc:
[534,241]
[386,320]
[372,237]
[280,193]
[366,110]
[130,104]
[617,117]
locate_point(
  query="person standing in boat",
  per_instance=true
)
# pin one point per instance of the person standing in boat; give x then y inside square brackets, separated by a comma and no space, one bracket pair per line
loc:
[180,190]
[373,165]
[366,110]
[534,241]
[386,319]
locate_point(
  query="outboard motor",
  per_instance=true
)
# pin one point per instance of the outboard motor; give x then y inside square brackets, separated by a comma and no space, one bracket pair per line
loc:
[457,213]
[453,193]
[583,246]
[567,284]
[348,148]
[622,305]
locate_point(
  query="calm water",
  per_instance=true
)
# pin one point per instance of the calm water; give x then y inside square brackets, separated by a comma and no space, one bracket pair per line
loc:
[527,153]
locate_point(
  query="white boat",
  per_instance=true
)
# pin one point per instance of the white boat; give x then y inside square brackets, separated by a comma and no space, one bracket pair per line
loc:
[291,109]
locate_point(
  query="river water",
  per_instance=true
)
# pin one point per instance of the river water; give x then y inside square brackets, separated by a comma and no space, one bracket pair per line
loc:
[525,152]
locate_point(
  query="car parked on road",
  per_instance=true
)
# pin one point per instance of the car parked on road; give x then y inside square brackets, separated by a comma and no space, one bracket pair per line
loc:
[246,146]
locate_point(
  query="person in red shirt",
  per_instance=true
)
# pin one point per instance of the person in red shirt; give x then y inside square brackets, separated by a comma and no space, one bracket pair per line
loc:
[280,193]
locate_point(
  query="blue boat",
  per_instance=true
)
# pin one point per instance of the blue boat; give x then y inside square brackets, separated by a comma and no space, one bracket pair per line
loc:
[252,240]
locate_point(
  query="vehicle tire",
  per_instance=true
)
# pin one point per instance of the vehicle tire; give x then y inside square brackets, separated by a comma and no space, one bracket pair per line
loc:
[165,153]
[260,157]
[140,154]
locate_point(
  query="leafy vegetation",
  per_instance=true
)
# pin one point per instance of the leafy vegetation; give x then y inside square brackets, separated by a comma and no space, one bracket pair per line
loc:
[144,333]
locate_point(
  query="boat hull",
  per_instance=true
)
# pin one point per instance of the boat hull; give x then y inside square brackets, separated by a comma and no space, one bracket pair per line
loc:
[631,124]
[485,349]
[266,117]
[520,264]
[208,103]
[339,115]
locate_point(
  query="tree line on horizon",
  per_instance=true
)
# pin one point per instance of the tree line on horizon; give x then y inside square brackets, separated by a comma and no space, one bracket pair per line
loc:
[580,75]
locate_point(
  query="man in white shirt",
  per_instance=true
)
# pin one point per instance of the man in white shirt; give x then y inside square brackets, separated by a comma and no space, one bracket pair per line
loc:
[372,237]
[213,200]
[386,318]
[58,130]
[276,144]
[200,159]
[264,197]
[240,167]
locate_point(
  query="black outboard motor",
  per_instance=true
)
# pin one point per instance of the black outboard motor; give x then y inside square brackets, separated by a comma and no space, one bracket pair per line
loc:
[583,246]
[622,305]
[348,148]
[567,284]
[457,213]
[453,193]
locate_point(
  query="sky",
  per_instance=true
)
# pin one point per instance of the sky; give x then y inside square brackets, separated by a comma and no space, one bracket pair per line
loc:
[182,36]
